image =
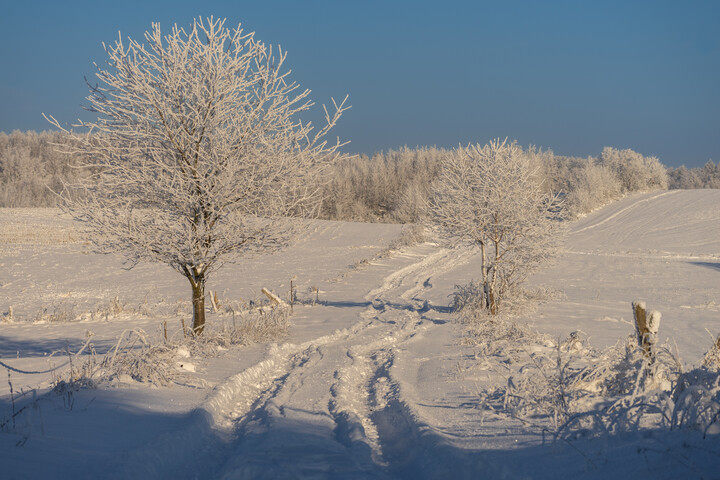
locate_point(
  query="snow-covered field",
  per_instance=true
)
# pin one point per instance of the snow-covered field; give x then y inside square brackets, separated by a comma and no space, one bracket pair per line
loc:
[373,381]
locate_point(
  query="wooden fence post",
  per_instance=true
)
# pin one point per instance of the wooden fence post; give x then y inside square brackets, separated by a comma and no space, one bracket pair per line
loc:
[647,325]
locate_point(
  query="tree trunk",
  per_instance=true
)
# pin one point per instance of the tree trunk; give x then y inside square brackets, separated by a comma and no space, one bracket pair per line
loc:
[486,289]
[198,301]
[492,297]
[492,304]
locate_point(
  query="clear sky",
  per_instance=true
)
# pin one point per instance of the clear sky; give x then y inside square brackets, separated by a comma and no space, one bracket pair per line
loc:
[572,76]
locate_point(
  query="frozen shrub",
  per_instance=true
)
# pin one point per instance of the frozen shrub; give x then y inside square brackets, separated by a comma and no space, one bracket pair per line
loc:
[58,314]
[588,183]
[707,176]
[411,234]
[31,168]
[635,172]
[593,186]
[136,356]
[469,300]
[571,390]
[388,186]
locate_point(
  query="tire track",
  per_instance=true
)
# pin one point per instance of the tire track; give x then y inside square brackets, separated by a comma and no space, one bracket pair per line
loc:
[418,274]
[360,397]
[401,441]
[324,408]
[363,387]
[371,400]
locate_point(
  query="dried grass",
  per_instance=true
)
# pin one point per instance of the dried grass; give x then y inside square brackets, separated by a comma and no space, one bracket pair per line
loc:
[571,390]
[138,357]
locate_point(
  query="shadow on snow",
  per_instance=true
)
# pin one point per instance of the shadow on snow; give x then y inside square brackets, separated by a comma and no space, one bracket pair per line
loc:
[109,434]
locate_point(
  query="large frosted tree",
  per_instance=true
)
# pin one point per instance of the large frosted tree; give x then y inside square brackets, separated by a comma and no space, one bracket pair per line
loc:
[492,197]
[198,150]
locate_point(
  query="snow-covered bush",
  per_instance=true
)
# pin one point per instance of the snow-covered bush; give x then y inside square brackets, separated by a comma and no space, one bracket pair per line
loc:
[411,234]
[250,324]
[635,172]
[160,360]
[390,186]
[56,314]
[593,186]
[137,357]
[707,176]
[491,197]
[588,183]
[469,300]
[572,390]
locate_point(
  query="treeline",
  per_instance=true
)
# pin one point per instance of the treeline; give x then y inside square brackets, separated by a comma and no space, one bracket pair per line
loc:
[391,186]
[394,186]
[707,176]
[589,183]
[32,168]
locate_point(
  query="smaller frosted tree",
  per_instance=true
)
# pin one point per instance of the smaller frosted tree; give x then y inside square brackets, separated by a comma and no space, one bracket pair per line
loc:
[635,172]
[198,150]
[491,197]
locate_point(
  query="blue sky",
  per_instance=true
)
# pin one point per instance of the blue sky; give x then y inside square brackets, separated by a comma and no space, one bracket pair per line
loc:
[572,76]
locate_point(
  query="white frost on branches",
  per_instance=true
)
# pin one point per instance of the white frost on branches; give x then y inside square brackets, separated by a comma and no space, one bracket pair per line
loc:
[198,149]
[492,197]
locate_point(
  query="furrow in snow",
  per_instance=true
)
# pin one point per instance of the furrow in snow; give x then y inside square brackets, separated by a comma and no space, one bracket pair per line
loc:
[357,386]
[453,259]
[307,406]
[212,423]
[650,255]
[408,446]
[395,279]
[632,206]
[417,274]
[236,396]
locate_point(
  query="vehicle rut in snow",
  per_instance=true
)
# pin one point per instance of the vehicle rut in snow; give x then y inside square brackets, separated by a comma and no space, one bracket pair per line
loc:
[332,403]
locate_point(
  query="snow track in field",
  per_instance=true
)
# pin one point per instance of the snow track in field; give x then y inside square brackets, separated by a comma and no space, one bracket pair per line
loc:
[416,277]
[335,402]
[329,407]
[341,405]
[614,214]
[364,387]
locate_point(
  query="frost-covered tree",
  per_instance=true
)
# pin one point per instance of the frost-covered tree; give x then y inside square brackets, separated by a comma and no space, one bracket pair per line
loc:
[636,172]
[29,165]
[491,197]
[388,186]
[707,176]
[591,186]
[199,150]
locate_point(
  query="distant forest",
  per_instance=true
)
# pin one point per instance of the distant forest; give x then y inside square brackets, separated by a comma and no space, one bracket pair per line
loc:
[390,186]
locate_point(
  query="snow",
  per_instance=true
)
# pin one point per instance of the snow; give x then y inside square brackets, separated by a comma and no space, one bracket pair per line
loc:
[374,381]
[662,248]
